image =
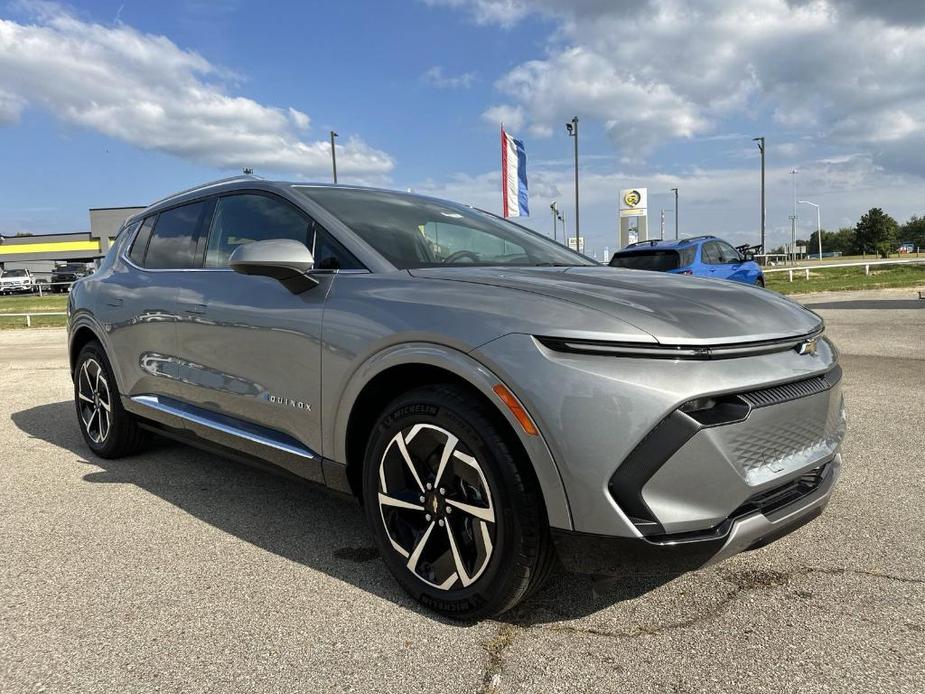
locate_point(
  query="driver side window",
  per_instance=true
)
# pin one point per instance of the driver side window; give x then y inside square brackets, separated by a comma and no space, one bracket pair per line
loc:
[248,217]
[241,219]
[728,254]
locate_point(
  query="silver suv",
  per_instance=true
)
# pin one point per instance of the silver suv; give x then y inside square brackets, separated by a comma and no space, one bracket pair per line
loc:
[496,401]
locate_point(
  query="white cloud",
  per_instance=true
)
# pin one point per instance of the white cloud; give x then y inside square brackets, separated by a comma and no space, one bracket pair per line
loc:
[436,77]
[512,117]
[851,73]
[145,90]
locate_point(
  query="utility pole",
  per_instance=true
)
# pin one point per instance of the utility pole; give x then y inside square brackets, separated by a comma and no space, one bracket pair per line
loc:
[760,141]
[675,191]
[793,220]
[572,127]
[334,156]
[555,216]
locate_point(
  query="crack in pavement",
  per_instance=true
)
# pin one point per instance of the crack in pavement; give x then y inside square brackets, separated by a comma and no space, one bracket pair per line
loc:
[744,582]
[496,648]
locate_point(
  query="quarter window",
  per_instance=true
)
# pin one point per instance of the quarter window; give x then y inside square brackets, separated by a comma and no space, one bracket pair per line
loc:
[140,245]
[172,244]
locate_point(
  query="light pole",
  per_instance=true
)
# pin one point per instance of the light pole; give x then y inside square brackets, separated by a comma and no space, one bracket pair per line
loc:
[793,220]
[555,216]
[675,191]
[818,224]
[760,141]
[333,156]
[572,127]
[662,225]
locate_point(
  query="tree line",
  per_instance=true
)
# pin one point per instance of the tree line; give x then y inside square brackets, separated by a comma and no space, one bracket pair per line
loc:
[876,232]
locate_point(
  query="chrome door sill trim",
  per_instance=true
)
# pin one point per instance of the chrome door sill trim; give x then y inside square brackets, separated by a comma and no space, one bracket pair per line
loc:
[194,415]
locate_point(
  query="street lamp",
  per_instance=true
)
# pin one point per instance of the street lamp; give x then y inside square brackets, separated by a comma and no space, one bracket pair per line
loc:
[333,156]
[793,220]
[818,224]
[760,141]
[572,127]
[675,191]
[555,216]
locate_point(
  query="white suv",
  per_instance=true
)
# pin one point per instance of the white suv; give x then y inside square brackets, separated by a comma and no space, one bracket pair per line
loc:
[17,281]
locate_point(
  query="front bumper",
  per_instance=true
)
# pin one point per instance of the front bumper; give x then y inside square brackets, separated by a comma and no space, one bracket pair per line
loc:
[682,552]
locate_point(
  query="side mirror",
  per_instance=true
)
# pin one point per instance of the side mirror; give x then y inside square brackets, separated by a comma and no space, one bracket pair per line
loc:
[284,260]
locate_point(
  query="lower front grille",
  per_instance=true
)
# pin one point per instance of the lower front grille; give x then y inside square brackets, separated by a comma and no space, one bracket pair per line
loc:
[778,497]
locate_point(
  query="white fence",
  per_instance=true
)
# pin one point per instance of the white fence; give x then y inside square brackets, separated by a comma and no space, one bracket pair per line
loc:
[866,264]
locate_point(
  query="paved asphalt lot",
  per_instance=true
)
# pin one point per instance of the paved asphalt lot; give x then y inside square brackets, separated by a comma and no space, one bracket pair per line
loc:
[177,571]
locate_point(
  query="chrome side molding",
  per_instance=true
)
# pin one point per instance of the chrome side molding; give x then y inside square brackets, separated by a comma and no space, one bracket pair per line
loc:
[245,431]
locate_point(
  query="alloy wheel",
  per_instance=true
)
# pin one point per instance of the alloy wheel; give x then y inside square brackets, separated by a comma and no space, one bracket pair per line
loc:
[94,401]
[436,506]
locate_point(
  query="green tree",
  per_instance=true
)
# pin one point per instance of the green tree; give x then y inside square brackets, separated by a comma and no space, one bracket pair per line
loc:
[876,231]
[913,231]
[841,241]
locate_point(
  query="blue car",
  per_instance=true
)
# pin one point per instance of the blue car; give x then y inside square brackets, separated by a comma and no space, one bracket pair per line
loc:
[703,256]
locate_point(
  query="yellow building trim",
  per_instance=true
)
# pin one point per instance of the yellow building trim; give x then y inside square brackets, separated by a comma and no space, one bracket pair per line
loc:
[10,248]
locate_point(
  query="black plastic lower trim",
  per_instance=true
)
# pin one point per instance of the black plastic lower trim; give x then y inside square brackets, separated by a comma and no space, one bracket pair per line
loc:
[619,556]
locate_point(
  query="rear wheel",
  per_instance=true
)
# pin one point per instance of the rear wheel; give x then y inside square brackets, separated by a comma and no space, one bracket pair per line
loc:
[107,428]
[458,522]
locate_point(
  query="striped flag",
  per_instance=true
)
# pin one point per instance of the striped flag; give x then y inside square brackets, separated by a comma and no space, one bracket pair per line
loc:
[513,176]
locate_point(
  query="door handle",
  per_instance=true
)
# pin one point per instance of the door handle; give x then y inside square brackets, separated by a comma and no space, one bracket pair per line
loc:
[115,303]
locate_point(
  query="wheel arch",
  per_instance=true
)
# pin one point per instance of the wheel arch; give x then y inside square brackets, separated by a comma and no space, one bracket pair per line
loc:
[398,369]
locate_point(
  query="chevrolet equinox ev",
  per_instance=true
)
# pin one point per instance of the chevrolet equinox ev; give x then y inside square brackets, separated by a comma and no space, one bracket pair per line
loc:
[497,402]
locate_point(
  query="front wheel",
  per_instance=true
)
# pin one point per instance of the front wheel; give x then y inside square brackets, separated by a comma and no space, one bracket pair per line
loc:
[759,282]
[107,428]
[457,517]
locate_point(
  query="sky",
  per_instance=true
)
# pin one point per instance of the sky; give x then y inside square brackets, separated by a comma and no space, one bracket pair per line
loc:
[119,103]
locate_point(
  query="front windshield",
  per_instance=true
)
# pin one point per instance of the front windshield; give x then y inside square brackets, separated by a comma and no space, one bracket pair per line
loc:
[14,273]
[412,232]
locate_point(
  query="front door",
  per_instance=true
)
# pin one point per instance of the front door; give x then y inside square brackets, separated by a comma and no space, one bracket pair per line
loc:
[249,349]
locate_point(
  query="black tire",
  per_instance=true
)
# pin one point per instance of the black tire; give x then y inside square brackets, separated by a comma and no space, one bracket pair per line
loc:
[759,282]
[517,557]
[110,432]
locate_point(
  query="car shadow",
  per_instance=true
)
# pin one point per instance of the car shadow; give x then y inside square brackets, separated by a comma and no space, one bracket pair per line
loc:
[297,520]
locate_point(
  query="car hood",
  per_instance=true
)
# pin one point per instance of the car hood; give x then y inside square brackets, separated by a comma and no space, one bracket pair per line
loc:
[673,309]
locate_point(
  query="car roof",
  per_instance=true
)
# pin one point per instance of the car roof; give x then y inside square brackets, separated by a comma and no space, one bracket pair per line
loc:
[666,244]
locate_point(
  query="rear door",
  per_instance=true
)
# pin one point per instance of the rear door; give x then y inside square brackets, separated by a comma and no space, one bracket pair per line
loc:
[138,299]
[249,349]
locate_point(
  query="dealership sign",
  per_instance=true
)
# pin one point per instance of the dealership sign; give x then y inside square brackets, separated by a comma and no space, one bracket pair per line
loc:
[633,202]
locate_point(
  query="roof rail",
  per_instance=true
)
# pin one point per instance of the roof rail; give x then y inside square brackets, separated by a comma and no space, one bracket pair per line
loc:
[210,184]
[698,238]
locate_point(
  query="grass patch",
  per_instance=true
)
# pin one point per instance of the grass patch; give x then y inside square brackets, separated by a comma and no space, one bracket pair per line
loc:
[847,278]
[32,304]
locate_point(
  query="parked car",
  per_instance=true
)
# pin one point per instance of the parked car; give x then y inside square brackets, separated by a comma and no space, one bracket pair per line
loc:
[493,399]
[703,256]
[68,273]
[906,248]
[17,282]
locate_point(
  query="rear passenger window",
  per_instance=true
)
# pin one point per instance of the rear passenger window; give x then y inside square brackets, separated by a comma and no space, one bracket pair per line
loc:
[140,245]
[172,244]
[710,254]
